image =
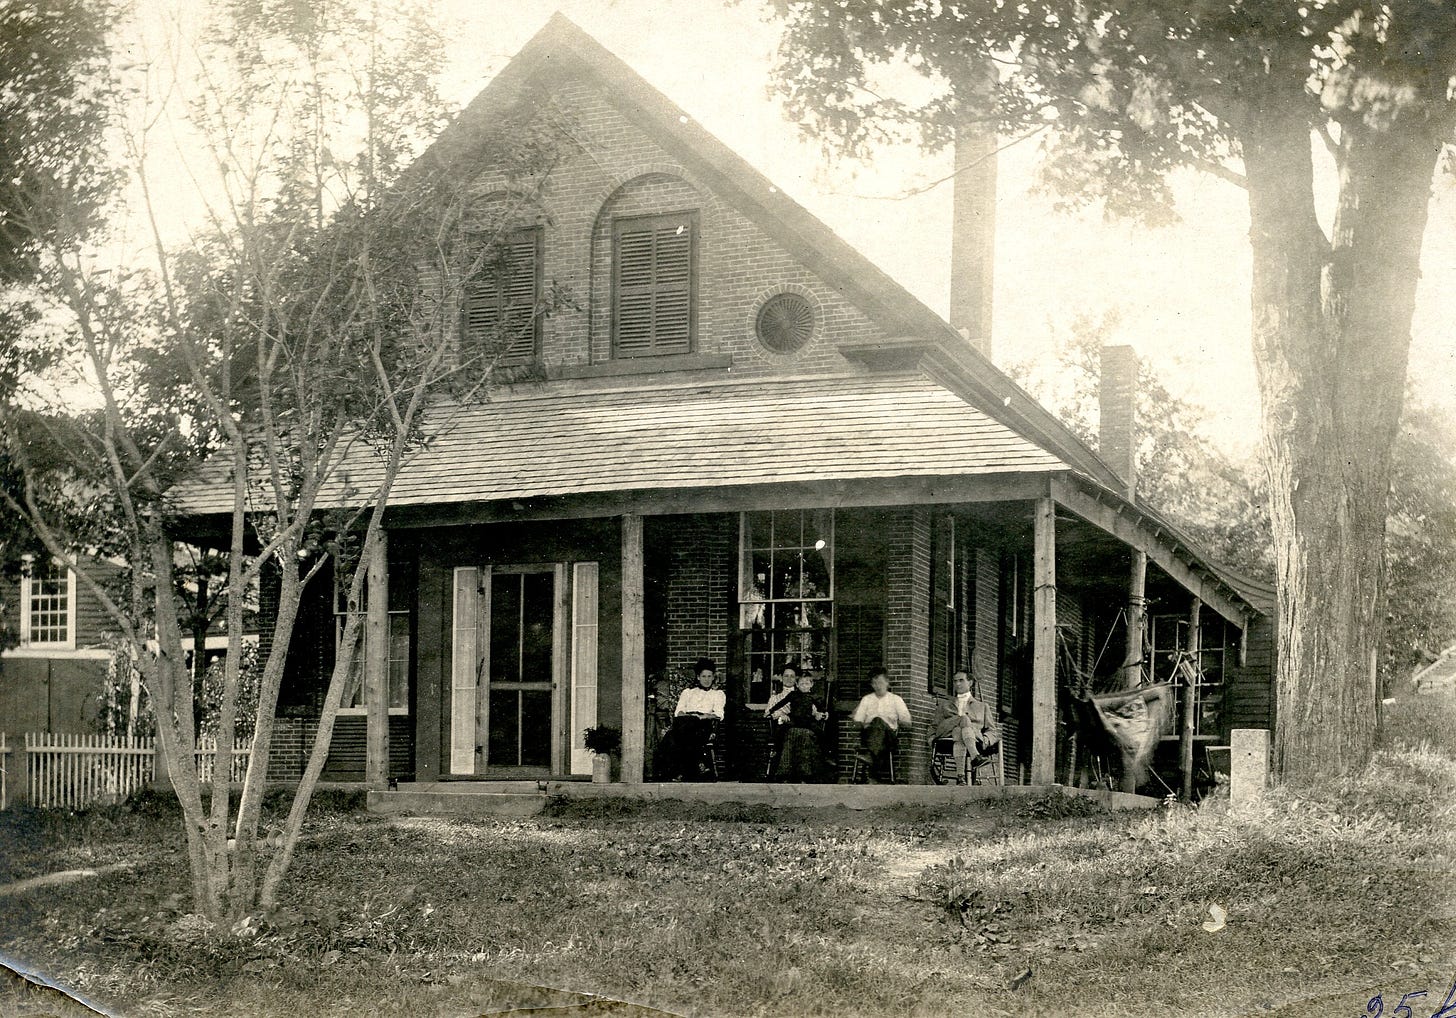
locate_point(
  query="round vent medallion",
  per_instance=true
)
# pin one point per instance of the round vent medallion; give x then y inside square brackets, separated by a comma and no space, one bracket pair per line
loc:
[785,322]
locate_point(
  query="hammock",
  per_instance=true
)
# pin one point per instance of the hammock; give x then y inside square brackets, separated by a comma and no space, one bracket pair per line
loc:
[1134,721]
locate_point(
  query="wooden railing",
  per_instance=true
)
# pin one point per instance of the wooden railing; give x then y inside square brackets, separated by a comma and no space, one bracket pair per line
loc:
[75,771]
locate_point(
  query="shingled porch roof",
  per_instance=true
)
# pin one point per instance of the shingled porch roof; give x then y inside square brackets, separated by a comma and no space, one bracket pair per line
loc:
[528,444]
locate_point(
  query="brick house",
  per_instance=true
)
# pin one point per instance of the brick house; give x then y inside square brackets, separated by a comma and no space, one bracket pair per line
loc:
[745,442]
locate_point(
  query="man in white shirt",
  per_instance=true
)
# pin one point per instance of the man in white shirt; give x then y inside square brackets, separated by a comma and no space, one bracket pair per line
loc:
[699,712]
[880,716]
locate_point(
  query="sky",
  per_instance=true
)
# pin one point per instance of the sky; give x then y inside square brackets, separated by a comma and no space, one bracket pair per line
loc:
[1182,291]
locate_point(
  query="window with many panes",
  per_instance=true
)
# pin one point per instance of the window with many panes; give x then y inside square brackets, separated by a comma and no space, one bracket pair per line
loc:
[948,589]
[1170,636]
[785,593]
[503,303]
[1015,633]
[48,607]
[653,285]
[398,645]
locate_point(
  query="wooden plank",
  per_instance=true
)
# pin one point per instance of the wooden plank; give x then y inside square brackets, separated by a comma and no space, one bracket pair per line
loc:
[1195,646]
[560,669]
[376,668]
[1044,645]
[837,494]
[584,623]
[1137,611]
[1125,526]
[634,675]
[464,678]
[432,677]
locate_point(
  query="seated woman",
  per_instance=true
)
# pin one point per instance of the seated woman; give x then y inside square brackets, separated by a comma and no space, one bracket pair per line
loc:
[968,721]
[777,713]
[799,760]
[880,716]
[698,715]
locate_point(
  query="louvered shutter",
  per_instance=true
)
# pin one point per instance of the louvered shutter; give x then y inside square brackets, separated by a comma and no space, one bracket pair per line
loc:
[501,309]
[654,286]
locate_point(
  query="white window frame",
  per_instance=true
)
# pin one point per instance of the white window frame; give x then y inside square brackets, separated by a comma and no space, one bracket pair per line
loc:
[341,615]
[69,643]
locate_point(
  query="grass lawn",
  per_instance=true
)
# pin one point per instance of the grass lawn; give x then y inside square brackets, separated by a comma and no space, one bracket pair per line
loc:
[1330,894]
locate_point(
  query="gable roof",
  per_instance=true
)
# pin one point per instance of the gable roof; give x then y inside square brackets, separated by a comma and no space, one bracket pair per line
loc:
[561,46]
[526,444]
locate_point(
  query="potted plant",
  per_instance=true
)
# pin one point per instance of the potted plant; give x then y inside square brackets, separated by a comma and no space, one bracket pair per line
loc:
[603,741]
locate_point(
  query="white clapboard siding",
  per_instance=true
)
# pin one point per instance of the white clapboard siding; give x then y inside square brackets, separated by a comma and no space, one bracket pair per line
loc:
[583,662]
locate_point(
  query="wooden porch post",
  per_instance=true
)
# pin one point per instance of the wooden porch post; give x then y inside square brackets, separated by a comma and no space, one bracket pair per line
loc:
[1044,645]
[1195,645]
[634,675]
[376,666]
[1137,609]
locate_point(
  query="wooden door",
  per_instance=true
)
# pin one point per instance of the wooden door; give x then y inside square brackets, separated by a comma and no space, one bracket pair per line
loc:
[522,648]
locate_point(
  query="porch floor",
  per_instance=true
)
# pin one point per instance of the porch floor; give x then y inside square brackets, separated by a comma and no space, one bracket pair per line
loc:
[527,798]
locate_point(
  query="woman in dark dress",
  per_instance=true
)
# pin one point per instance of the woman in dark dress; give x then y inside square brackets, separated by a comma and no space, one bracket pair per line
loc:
[800,760]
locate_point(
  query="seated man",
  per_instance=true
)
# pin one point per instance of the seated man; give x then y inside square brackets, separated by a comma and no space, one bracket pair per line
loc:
[880,716]
[968,722]
[699,713]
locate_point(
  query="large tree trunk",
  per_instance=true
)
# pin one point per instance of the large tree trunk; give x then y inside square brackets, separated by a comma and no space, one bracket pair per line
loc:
[1331,330]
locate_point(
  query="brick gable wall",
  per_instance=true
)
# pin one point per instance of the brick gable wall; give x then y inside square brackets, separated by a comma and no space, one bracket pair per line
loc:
[618,169]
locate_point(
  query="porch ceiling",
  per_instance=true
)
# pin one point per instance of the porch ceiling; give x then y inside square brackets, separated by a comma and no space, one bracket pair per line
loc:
[526,443]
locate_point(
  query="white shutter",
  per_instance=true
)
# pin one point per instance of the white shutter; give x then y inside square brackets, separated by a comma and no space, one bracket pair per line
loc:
[464,673]
[583,662]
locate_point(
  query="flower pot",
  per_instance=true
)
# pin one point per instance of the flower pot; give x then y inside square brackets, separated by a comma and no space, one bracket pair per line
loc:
[601,768]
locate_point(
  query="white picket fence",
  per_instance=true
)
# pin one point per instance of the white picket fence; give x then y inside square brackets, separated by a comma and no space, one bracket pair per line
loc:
[74,771]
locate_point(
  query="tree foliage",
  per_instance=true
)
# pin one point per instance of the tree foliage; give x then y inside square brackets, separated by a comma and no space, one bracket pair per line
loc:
[308,325]
[1421,541]
[55,91]
[1125,92]
[1216,501]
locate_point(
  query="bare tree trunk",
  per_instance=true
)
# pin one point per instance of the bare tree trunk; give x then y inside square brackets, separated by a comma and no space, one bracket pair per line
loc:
[1331,328]
[245,876]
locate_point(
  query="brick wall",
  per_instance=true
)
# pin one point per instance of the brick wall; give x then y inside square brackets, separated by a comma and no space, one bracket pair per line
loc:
[985,568]
[613,167]
[907,637]
[701,586]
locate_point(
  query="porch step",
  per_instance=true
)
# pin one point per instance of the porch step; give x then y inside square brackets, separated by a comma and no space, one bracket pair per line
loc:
[514,786]
[474,802]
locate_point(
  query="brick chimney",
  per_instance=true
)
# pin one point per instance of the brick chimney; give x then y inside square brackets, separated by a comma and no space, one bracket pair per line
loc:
[1117,393]
[973,216]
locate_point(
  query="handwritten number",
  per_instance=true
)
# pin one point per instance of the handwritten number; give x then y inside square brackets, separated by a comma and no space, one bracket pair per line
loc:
[1376,1007]
[1402,1006]
[1448,1006]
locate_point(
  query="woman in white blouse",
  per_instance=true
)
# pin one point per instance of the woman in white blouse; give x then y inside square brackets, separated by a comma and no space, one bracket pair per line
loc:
[699,713]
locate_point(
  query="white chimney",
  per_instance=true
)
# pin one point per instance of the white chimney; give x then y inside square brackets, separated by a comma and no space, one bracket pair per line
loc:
[973,216]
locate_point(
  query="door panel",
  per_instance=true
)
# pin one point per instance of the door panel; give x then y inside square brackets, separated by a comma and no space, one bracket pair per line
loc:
[505,626]
[464,671]
[522,670]
[583,662]
[536,727]
[505,726]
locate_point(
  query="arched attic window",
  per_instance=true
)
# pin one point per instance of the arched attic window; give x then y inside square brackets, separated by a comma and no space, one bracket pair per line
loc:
[652,224]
